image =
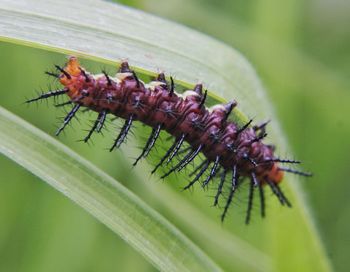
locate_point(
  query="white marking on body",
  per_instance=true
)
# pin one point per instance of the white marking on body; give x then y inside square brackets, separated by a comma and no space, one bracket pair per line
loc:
[190,93]
[217,107]
[153,84]
[122,76]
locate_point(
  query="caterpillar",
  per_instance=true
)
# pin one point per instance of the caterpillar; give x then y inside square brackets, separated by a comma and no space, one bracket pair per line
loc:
[233,154]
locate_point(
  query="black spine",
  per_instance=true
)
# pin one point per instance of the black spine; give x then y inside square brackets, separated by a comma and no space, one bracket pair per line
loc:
[123,133]
[250,202]
[234,183]
[150,142]
[68,118]
[47,95]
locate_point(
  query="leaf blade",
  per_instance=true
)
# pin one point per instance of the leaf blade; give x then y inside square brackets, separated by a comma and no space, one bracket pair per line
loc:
[101,196]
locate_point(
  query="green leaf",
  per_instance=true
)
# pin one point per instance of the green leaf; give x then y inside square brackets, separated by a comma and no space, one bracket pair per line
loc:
[101,195]
[109,33]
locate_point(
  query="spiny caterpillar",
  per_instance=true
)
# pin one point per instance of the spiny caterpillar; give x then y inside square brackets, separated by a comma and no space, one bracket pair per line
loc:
[231,152]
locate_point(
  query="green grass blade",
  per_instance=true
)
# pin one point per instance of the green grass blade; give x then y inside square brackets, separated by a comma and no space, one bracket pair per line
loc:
[106,199]
[109,33]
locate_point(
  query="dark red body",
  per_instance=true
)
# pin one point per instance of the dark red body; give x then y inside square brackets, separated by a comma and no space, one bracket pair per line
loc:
[152,104]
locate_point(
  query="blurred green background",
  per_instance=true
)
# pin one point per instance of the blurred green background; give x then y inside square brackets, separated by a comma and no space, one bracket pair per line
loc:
[300,49]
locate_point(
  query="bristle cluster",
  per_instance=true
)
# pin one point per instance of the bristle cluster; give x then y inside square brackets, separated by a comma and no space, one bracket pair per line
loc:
[232,153]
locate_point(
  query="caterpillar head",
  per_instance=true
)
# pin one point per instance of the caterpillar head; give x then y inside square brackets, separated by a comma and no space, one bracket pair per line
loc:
[74,78]
[71,70]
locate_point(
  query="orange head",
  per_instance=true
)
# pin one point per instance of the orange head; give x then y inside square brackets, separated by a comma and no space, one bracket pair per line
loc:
[72,69]
[72,77]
